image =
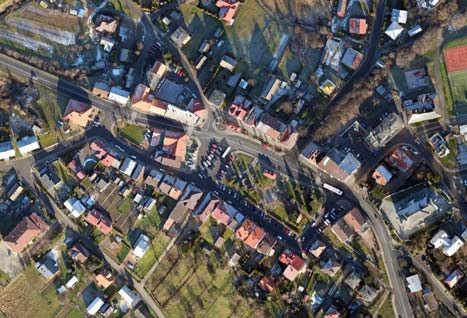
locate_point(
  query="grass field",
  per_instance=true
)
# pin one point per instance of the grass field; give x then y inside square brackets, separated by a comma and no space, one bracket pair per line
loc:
[157,247]
[30,297]
[197,286]
[458,84]
[133,133]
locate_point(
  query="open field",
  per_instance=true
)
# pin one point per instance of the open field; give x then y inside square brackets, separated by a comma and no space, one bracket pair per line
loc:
[29,296]
[458,84]
[133,133]
[197,286]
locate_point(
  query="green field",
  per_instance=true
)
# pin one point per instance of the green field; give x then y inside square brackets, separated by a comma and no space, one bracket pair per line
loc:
[458,84]
[133,133]
[195,285]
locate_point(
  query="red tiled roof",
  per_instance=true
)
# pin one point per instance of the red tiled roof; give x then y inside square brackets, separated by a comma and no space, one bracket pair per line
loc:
[357,26]
[227,10]
[98,220]
[255,237]
[267,283]
[25,232]
[244,230]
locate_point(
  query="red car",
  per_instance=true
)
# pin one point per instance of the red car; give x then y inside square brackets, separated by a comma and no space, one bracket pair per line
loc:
[264,146]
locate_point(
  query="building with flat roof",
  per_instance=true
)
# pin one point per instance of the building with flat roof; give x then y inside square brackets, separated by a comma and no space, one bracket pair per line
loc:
[399,16]
[352,58]
[413,283]
[385,131]
[27,144]
[180,37]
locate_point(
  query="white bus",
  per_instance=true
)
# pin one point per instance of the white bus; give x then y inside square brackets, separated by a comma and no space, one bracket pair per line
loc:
[332,189]
[226,152]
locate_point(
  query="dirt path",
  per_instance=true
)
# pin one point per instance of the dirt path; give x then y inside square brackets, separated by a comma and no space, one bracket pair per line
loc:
[438,84]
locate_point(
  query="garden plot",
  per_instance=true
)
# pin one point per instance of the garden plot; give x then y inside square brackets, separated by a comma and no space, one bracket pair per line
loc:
[50,33]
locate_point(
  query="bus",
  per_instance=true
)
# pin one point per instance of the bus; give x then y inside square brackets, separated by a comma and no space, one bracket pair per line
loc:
[226,152]
[332,189]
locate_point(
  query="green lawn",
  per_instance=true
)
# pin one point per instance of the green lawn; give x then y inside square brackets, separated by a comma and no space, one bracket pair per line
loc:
[64,173]
[125,205]
[198,286]
[133,133]
[48,139]
[386,310]
[159,243]
[123,251]
[458,84]
[450,160]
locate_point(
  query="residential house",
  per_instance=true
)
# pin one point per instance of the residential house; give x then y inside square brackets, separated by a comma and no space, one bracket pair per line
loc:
[101,89]
[79,253]
[233,261]
[357,26]
[332,311]
[240,107]
[382,175]
[130,298]
[454,245]
[128,166]
[317,248]
[104,278]
[399,16]
[180,37]
[71,282]
[413,283]
[27,144]
[228,63]
[271,89]
[367,294]
[100,221]
[339,165]
[414,30]
[6,150]
[48,266]
[327,87]
[330,267]
[75,207]
[227,10]
[441,238]
[223,212]
[295,265]
[453,278]
[142,245]
[431,304]
[266,246]
[250,233]
[267,283]
[109,27]
[400,159]
[343,232]
[77,113]
[394,30]
[28,229]
[156,73]
[119,96]
[352,58]
[183,208]
[354,219]
[274,131]
[353,280]
[107,43]
[15,191]
[94,306]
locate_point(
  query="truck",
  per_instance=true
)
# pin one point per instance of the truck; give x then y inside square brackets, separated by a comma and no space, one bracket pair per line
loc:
[226,152]
[332,189]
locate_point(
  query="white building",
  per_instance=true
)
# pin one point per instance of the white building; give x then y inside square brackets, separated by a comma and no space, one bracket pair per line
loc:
[94,307]
[75,207]
[119,96]
[27,144]
[130,298]
[141,246]
[454,245]
[181,115]
[6,150]
[71,282]
[441,238]
[399,16]
[416,29]
[108,44]
[394,30]
[128,166]
[413,283]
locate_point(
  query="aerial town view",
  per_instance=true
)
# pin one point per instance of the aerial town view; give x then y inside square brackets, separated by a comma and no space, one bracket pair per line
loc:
[233,158]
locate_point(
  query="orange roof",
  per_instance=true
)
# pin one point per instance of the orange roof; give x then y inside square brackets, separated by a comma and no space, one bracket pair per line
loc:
[104,279]
[244,230]
[108,160]
[357,26]
[267,283]
[291,259]
[341,7]
[77,113]
[98,220]
[237,112]
[255,237]
[109,27]
[25,232]
[269,174]
[227,10]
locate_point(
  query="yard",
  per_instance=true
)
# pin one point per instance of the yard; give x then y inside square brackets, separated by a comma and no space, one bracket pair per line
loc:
[29,296]
[133,133]
[197,285]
